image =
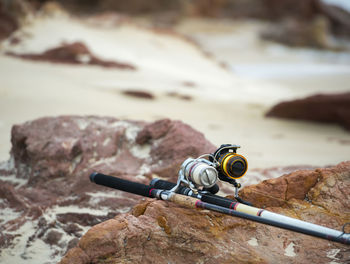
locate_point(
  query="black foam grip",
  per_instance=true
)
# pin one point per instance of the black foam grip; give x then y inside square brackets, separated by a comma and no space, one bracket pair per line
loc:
[240,200]
[209,198]
[214,189]
[165,185]
[161,184]
[121,184]
[218,200]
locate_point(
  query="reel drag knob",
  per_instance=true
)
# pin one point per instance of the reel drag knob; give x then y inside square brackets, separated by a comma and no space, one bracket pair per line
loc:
[199,172]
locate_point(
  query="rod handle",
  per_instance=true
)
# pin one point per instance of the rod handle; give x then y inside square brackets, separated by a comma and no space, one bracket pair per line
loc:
[121,184]
[208,197]
[186,201]
[162,184]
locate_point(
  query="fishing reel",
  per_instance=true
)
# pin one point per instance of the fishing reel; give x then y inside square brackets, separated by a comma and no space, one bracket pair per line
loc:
[231,166]
[201,175]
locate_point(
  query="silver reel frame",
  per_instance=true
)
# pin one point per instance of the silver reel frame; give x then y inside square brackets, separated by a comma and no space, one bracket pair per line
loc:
[183,179]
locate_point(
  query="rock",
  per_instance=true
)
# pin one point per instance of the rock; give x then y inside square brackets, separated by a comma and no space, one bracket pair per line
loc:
[331,108]
[162,232]
[179,96]
[46,199]
[257,175]
[165,13]
[53,237]
[339,18]
[74,53]
[261,9]
[133,7]
[8,23]
[304,15]
[310,194]
[139,94]
[299,33]
[47,202]
[266,9]
[279,191]
[85,144]
[189,84]
[13,14]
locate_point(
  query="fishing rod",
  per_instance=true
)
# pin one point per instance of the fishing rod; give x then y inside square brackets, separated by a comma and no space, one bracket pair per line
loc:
[244,207]
[225,164]
[206,195]
[198,177]
[196,186]
[261,216]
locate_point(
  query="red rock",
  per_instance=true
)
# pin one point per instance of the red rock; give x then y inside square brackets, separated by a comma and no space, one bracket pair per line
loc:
[180,96]
[167,10]
[338,17]
[298,33]
[129,7]
[139,94]
[53,237]
[74,53]
[278,191]
[46,183]
[189,84]
[77,256]
[162,232]
[45,186]
[332,108]
[153,131]
[262,9]
[8,23]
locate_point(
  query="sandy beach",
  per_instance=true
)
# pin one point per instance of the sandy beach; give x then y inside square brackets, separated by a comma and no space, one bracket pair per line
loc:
[218,76]
[228,103]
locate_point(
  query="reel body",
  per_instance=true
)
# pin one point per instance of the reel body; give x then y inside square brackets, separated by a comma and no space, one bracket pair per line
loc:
[200,172]
[196,173]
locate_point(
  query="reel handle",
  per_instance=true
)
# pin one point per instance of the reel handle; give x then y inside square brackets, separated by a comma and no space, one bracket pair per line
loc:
[121,184]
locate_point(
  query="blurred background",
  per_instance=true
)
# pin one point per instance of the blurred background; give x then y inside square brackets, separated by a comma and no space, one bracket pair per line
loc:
[270,75]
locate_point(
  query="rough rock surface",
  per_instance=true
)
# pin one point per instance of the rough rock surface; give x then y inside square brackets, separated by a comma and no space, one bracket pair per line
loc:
[139,94]
[271,9]
[74,53]
[8,23]
[262,9]
[299,33]
[338,17]
[46,199]
[166,13]
[161,232]
[333,108]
